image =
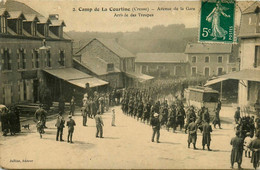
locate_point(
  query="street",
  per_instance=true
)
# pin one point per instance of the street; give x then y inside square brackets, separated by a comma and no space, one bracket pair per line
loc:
[126,146]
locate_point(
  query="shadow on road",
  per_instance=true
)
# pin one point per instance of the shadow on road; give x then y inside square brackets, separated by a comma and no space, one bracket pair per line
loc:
[172,143]
[110,138]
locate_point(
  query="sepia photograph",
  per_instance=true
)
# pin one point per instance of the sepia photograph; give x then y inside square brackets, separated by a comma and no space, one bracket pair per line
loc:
[89,84]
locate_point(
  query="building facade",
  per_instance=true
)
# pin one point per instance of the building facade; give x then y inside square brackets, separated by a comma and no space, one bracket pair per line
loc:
[162,64]
[210,59]
[109,61]
[33,50]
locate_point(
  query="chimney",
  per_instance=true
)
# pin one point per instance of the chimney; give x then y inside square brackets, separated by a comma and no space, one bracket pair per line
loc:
[54,16]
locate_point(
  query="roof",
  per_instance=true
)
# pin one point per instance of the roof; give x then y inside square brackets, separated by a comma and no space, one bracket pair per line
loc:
[95,65]
[113,46]
[31,17]
[247,74]
[200,48]
[14,5]
[203,89]
[161,58]
[254,8]
[76,77]
[57,23]
[43,20]
[16,15]
[3,11]
[68,73]
[139,76]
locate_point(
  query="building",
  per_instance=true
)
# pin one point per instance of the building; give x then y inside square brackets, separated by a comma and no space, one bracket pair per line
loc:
[249,76]
[36,55]
[106,59]
[210,59]
[162,64]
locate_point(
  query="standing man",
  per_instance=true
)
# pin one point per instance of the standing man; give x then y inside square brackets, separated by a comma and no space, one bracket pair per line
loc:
[99,125]
[84,115]
[70,123]
[60,125]
[156,127]
[192,131]
[255,147]
[206,138]
[237,115]
[237,150]
[113,118]
[72,106]
[216,120]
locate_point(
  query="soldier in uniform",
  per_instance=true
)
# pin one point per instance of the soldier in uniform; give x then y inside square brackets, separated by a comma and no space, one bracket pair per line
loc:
[192,131]
[255,147]
[140,111]
[237,150]
[155,123]
[237,115]
[190,115]
[206,117]
[99,125]
[60,125]
[70,123]
[147,111]
[206,138]
[216,120]
[131,107]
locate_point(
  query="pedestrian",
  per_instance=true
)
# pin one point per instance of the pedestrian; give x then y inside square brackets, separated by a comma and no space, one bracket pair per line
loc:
[11,119]
[113,118]
[60,125]
[206,137]
[247,141]
[40,115]
[72,106]
[192,133]
[237,115]
[237,150]
[206,117]
[99,125]
[70,123]
[4,120]
[84,115]
[255,147]
[156,127]
[40,128]
[216,120]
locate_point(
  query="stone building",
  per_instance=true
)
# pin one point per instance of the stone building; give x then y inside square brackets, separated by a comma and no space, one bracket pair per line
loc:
[162,64]
[210,59]
[107,60]
[35,53]
[249,76]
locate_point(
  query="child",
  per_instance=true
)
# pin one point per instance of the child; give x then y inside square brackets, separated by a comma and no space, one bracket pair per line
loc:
[40,128]
[247,141]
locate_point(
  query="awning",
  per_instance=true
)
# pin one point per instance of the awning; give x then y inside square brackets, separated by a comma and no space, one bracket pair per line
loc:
[140,77]
[250,75]
[76,77]
[93,82]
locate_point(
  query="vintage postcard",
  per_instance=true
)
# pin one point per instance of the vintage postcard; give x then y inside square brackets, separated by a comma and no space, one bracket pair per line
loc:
[129,84]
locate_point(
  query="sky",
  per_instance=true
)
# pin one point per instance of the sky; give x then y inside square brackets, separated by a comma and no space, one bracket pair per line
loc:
[78,17]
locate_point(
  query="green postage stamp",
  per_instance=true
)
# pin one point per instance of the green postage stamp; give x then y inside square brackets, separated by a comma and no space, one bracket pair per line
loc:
[217,21]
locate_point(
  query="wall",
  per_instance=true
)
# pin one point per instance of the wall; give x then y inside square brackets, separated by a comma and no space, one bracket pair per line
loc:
[14,76]
[248,52]
[97,49]
[213,63]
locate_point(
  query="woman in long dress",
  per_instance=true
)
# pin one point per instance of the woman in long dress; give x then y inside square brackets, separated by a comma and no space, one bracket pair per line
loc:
[216,30]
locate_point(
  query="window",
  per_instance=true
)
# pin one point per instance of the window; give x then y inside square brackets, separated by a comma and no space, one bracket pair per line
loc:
[233,69]
[220,71]
[3,22]
[257,56]
[144,69]
[6,60]
[220,59]
[193,71]
[207,59]
[206,71]
[21,59]
[110,67]
[62,58]
[48,58]
[7,94]
[19,27]
[35,59]
[194,59]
